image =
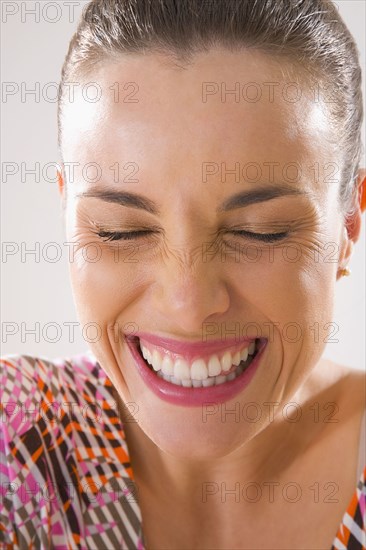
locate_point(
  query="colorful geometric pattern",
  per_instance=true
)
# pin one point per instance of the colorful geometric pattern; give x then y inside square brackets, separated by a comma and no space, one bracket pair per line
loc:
[352,531]
[66,478]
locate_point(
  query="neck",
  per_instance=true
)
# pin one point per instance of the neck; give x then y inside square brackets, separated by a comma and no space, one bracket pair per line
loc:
[265,457]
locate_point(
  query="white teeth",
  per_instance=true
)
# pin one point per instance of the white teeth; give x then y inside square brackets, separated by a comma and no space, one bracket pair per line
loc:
[146,354]
[214,366]
[211,381]
[244,354]
[208,382]
[167,366]
[199,370]
[180,370]
[226,361]
[156,360]
[236,358]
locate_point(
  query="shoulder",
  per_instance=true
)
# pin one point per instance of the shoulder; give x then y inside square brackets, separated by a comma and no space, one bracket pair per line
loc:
[342,389]
[29,373]
[336,396]
[32,385]
[57,410]
[62,448]
[350,391]
[338,383]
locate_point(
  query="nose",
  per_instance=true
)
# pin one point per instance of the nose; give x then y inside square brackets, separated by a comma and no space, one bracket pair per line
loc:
[187,296]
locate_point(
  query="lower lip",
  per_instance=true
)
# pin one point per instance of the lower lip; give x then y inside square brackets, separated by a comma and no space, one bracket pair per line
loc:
[195,397]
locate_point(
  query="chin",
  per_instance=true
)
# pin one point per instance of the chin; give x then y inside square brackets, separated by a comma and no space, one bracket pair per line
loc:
[192,439]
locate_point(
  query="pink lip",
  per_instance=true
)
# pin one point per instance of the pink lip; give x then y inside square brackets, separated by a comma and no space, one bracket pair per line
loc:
[193,349]
[194,397]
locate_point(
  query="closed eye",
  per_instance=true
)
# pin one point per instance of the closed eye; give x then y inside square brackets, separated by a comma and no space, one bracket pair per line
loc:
[264,237]
[122,235]
[131,235]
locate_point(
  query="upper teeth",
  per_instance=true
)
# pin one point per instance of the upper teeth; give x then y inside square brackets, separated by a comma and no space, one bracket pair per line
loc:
[199,369]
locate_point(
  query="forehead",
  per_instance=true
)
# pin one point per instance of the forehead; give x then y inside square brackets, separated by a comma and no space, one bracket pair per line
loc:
[222,107]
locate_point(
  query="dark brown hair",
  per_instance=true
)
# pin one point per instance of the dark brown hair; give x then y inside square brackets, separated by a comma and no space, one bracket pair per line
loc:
[309,33]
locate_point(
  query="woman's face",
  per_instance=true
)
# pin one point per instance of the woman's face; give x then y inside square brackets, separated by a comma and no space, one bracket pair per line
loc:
[186,140]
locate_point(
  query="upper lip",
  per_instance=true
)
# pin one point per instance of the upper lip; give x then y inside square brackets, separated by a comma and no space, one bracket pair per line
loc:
[196,348]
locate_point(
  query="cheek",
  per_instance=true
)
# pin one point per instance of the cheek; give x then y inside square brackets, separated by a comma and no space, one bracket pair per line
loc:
[103,283]
[289,286]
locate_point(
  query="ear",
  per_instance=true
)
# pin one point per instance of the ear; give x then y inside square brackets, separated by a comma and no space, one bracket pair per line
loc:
[60,181]
[61,184]
[362,189]
[353,222]
[352,226]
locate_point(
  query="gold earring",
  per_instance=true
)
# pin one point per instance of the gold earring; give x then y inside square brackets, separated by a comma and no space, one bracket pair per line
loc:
[345,272]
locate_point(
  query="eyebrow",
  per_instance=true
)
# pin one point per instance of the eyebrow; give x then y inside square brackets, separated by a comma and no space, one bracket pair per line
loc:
[239,200]
[261,194]
[123,198]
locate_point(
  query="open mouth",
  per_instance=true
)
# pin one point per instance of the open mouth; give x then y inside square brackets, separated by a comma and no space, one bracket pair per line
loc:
[220,368]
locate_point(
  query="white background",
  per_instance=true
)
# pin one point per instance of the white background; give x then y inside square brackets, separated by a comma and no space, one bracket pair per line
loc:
[33,50]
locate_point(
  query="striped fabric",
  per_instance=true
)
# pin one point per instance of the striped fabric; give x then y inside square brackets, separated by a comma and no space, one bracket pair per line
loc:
[66,479]
[352,531]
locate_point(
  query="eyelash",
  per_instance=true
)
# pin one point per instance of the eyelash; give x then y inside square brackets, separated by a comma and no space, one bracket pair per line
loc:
[264,237]
[108,236]
[121,235]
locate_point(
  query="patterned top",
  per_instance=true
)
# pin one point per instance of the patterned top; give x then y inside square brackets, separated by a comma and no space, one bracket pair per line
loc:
[66,479]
